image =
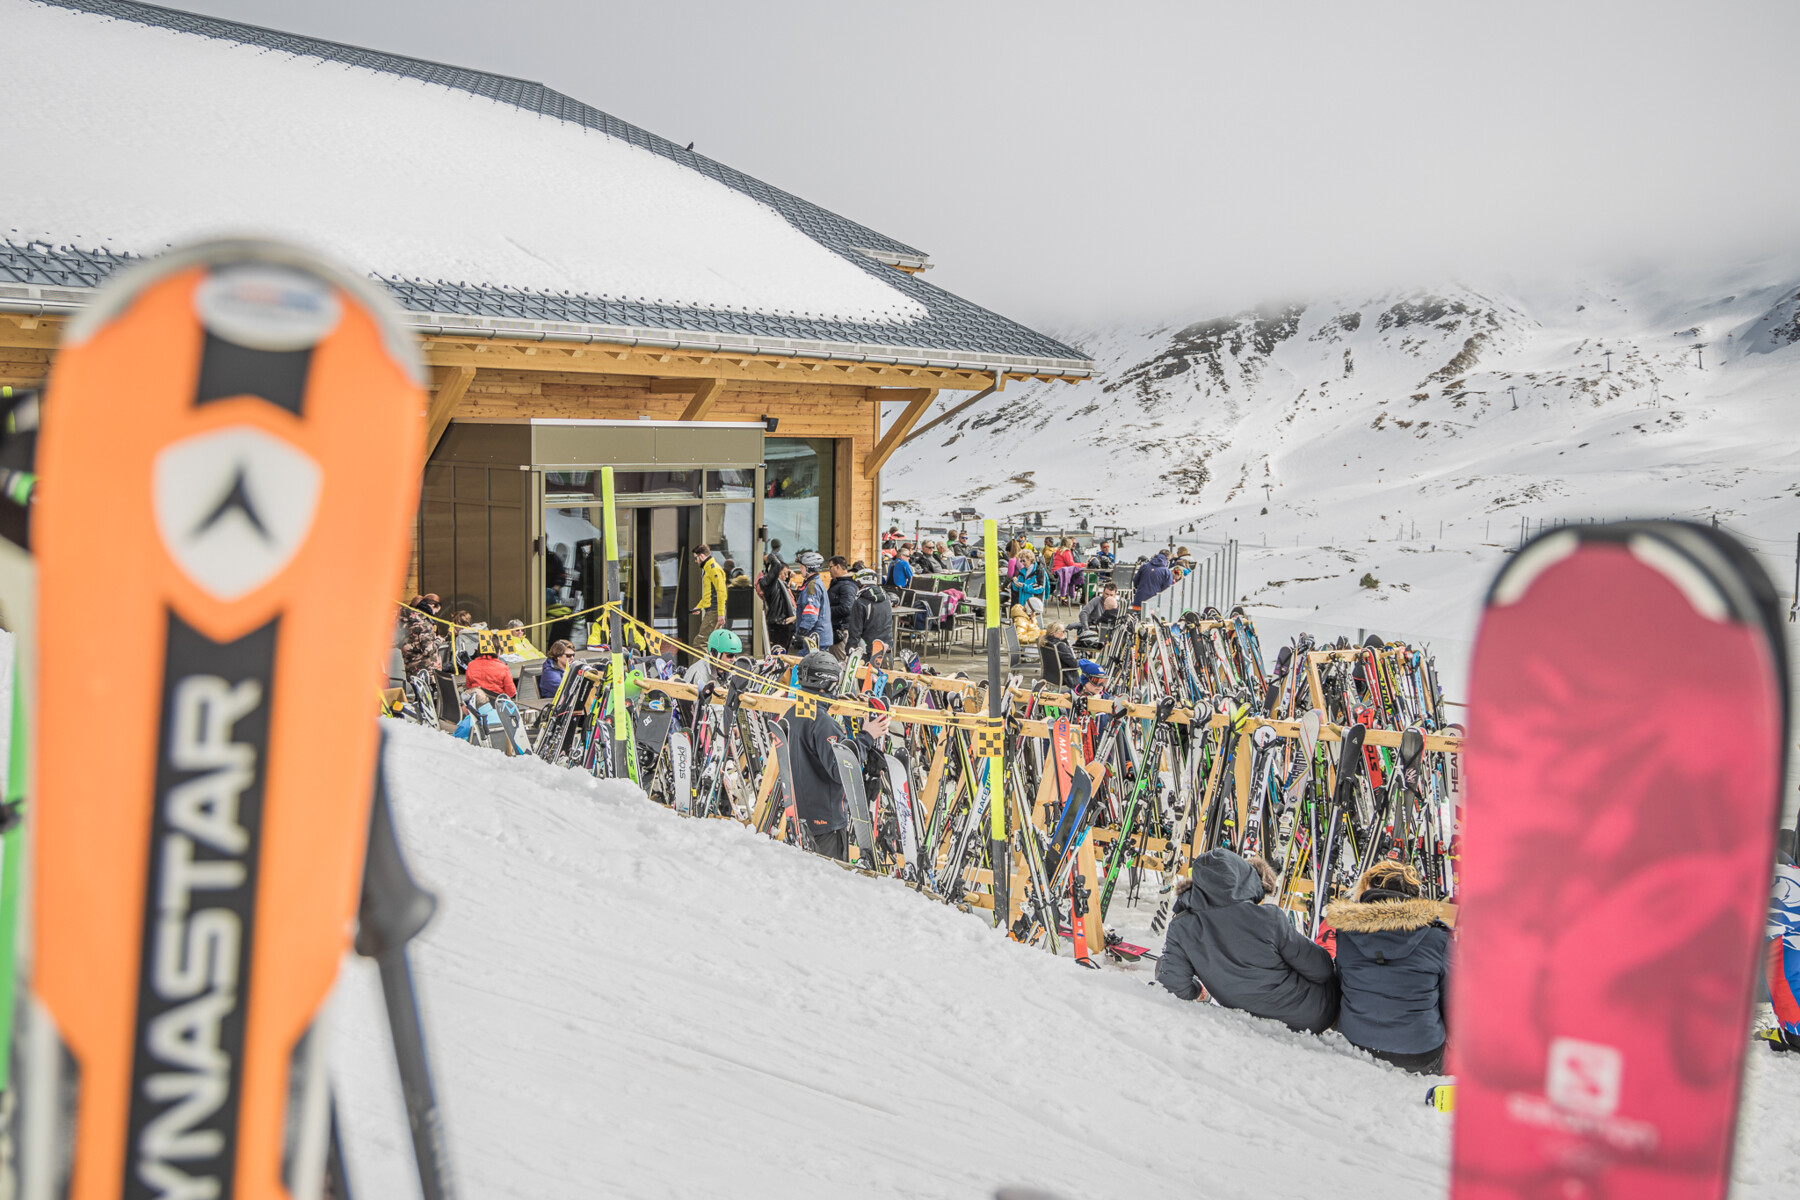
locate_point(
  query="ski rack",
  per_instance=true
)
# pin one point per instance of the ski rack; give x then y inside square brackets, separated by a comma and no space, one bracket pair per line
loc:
[1198,684]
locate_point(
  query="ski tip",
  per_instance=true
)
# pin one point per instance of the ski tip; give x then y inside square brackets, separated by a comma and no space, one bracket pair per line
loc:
[1442,1097]
[263,293]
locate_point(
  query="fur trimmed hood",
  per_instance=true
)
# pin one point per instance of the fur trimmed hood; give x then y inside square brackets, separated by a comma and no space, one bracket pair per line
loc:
[1383,916]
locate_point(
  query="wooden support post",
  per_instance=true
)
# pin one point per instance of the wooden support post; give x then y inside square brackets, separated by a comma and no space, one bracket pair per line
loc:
[918,400]
[1313,684]
[1206,802]
[708,394]
[1242,762]
[450,384]
[934,777]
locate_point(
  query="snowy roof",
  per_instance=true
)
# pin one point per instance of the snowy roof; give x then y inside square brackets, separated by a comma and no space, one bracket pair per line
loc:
[489,205]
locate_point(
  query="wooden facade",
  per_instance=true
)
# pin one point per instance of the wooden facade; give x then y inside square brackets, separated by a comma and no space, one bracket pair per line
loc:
[502,380]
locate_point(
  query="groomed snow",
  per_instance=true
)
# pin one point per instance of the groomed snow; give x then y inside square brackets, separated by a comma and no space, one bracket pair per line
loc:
[624,1003]
[131,138]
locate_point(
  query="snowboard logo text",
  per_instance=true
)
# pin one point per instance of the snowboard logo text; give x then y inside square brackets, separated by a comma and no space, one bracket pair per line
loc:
[199,916]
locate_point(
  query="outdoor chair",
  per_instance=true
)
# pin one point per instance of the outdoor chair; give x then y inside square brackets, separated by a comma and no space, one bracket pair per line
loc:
[933,604]
[905,624]
[1015,653]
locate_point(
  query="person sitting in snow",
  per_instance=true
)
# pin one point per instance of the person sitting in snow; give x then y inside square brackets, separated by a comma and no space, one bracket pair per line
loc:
[819,799]
[1224,941]
[1393,966]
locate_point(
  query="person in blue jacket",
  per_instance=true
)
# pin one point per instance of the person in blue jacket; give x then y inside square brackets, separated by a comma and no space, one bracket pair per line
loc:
[1393,967]
[1152,579]
[556,665]
[814,603]
[900,571]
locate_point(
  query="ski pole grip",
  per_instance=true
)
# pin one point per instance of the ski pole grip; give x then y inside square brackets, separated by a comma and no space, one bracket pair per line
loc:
[394,907]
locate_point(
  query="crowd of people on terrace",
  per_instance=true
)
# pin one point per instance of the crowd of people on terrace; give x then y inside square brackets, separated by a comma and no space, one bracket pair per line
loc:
[1383,989]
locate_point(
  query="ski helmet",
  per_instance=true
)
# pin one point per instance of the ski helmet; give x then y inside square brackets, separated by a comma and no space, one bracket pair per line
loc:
[820,671]
[867,578]
[723,641]
[812,560]
[1090,669]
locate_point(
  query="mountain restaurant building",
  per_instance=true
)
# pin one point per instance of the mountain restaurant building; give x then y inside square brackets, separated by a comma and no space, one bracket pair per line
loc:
[586,294]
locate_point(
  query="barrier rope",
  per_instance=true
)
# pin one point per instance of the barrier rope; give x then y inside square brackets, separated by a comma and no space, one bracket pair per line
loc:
[802,698]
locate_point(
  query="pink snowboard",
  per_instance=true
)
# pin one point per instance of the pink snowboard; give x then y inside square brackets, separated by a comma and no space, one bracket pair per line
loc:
[1627,722]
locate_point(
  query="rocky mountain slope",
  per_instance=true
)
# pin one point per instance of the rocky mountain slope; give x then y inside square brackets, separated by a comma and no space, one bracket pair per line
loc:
[1405,436]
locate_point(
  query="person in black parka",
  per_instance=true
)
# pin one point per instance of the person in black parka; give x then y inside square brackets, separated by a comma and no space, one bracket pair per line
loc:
[819,799]
[1245,954]
[1393,963]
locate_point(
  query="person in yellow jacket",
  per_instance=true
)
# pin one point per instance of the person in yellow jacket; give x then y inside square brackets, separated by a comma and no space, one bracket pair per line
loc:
[711,609]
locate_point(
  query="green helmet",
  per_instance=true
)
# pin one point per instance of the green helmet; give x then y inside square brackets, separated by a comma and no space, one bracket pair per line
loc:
[723,641]
[633,683]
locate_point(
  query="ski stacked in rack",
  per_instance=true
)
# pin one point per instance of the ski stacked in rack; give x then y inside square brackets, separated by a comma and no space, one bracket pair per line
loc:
[19,415]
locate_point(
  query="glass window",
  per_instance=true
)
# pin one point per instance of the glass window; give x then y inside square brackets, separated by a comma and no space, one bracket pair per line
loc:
[732,485]
[656,483]
[572,483]
[798,494]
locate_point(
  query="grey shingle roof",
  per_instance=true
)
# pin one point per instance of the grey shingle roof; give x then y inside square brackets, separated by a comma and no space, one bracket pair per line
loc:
[955,331]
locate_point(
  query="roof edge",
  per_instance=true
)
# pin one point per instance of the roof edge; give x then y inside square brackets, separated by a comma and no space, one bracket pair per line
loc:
[40,300]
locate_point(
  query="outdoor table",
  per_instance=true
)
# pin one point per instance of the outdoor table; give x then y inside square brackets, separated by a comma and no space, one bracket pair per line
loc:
[898,611]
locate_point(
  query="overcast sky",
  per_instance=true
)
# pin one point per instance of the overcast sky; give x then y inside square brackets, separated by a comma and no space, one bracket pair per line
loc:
[1077,163]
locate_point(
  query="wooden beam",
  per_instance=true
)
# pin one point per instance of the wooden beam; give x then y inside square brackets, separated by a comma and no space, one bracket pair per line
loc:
[450,351]
[890,441]
[708,394]
[21,331]
[939,420]
[450,384]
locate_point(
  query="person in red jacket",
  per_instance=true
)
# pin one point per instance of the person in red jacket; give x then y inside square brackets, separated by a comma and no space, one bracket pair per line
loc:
[486,671]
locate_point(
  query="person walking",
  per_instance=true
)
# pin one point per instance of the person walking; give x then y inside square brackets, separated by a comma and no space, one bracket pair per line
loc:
[1245,955]
[819,800]
[711,609]
[1393,967]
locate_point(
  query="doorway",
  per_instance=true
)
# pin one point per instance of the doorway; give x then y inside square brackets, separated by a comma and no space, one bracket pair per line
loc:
[655,585]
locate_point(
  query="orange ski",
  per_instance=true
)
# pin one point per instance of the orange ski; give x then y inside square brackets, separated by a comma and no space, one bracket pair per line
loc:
[235,431]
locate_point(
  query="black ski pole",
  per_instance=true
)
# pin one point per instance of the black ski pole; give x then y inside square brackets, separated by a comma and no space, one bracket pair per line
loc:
[393,910]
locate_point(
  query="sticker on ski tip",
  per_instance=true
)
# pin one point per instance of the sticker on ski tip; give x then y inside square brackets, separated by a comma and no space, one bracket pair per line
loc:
[239,425]
[1626,718]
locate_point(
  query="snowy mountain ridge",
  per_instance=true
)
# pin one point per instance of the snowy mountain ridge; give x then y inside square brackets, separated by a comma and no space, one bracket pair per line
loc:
[1321,435]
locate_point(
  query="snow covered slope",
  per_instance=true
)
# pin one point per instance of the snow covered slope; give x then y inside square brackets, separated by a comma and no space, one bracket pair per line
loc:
[1355,420]
[623,1003]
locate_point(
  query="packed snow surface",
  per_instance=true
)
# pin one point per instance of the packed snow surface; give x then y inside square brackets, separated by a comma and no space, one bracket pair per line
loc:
[622,1002]
[131,138]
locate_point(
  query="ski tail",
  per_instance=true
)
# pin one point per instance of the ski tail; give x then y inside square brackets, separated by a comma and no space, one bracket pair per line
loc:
[1592,1088]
